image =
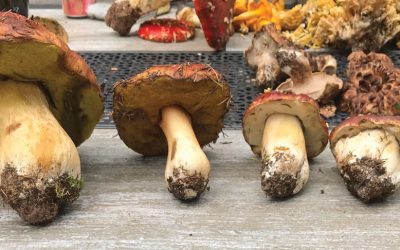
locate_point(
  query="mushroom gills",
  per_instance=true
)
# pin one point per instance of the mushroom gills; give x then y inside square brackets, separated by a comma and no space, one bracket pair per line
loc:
[369,163]
[187,167]
[39,163]
[285,165]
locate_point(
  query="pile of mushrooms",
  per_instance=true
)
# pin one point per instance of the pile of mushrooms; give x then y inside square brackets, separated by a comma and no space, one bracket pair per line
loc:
[373,85]
[176,109]
[367,153]
[49,104]
[286,130]
[276,59]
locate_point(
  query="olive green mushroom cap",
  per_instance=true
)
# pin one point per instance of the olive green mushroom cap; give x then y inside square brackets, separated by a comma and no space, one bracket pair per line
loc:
[138,101]
[31,53]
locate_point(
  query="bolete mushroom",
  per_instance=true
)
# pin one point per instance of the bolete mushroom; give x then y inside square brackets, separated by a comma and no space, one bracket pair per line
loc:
[367,153]
[176,109]
[49,104]
[286,130]
[166,30]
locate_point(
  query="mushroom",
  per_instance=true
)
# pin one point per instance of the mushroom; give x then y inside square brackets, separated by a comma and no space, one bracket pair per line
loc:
[49,104]
[174,108]
[373,85]
[166,30]
[367,153]
[188,14]
[53,26]
[286,130]
[123,14]
[215,18]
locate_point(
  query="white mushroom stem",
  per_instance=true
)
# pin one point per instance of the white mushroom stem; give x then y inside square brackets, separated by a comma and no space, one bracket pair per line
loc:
[284,155]
[369,162]
[187,166]
[33,145]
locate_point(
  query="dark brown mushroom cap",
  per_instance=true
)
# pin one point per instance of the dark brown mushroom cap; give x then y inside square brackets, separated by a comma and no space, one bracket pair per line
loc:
[356,124]
[373,85]
[303,107]
[30,52]
[138,102]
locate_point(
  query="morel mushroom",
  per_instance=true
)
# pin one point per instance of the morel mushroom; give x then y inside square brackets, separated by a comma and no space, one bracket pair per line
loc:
[174,108]
[215,17]
[49,104]
[373,85]
[123,14]
[166,30]
[367,155]
[286,130]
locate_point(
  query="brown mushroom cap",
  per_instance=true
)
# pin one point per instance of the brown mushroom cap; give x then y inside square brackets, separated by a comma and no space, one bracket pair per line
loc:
[138,102]
[30,52]
[303,107]
[356,124]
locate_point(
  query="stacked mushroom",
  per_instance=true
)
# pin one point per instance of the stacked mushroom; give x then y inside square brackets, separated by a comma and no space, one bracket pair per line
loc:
[276,59]
[174,108]
[286,130]
[49,104]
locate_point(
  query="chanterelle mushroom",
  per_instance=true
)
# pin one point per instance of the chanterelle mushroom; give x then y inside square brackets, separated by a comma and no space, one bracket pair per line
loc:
[286,130]
[49,104]
[373,85]
[174,108]
[367,155]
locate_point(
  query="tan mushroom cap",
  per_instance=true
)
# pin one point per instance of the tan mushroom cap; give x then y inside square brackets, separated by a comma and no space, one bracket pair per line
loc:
[29,52]
[138,102]
[356,124]
[303,107]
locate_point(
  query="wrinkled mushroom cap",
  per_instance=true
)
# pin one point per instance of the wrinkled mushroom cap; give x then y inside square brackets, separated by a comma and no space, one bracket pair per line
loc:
[138,102]
[30,52]
[356,124]
[303,107]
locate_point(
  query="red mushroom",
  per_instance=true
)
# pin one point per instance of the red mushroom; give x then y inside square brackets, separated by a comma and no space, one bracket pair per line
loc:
[166,30]
[215,17]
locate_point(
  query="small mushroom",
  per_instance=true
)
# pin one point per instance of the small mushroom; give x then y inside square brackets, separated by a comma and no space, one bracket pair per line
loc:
[188,14]
[49,104]
[166,30]
[367,153]
[215,18]
[286,130]
[373,85]
[176,109]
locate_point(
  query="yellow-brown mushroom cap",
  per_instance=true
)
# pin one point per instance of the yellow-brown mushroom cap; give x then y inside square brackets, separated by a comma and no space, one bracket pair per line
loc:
[138,101]
[31,53]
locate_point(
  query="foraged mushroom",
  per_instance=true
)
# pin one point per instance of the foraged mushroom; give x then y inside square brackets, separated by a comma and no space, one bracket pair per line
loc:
[174,108]
[286,130]
[53,26]
[166,30]
[123,14]
[49,104]
[367,153]
[373,85]
[215,17]
[188,14]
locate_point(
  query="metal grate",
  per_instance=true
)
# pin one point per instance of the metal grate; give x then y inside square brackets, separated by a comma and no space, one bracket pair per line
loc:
[110,67]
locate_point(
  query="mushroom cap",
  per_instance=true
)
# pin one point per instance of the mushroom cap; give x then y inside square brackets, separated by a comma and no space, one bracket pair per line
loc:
[166,30]
[303,107]
[30,52]
[138,101]
[356,124]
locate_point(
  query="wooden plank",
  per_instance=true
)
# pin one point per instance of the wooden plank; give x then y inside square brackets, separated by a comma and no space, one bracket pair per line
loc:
[125,205]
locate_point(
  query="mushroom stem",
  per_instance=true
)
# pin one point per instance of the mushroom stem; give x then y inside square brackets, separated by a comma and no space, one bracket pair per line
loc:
[369,163]
[187,166]
[285,164]
[39,163]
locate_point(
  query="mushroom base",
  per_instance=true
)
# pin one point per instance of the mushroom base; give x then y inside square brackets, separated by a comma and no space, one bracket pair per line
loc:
[366,179]
[188,188]
[38,201]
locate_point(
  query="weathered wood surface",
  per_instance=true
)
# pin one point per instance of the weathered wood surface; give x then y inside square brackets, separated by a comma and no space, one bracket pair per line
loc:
[125,205]
[94,35]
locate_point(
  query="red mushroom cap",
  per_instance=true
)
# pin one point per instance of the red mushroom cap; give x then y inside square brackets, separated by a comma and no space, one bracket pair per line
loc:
[215,18]
[166,30]
[303,107]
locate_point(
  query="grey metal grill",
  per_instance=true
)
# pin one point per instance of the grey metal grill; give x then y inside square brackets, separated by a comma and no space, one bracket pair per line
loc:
[110,67]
